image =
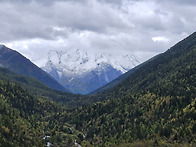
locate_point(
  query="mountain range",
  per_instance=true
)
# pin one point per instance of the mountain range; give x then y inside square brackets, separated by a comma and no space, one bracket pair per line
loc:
[83,72]
[74,71]
[154,104]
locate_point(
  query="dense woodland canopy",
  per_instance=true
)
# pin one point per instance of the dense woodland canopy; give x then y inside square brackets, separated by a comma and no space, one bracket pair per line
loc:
[154,106]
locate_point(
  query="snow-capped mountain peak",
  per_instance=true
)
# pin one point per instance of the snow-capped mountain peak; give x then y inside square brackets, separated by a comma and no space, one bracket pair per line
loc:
[80,61]
[79,68]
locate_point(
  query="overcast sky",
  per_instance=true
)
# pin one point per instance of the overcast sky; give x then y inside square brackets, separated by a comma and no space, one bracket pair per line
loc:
[142,28]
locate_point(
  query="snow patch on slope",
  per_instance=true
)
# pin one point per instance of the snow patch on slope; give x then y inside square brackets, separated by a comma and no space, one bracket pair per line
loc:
[80,61]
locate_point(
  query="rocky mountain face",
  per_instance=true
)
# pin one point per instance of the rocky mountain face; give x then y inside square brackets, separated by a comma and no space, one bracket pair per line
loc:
[83,72]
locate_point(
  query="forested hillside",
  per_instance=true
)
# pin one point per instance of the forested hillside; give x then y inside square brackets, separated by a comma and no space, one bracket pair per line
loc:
[39,89]
[154,104]
[161,70]
[19,64]
[29,121]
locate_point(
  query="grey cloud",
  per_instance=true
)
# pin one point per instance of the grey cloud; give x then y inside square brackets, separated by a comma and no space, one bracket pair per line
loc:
[177,2]
[45,2]
[92,16]
[105,25]
[30,20]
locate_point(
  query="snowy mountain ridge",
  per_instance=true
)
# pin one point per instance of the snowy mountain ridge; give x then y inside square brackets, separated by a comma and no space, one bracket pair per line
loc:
[83,71]
[80,61]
